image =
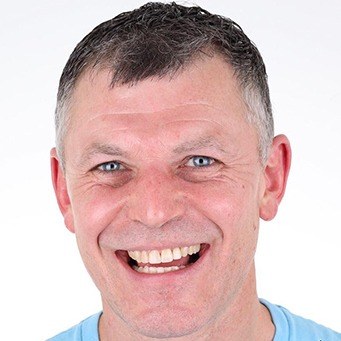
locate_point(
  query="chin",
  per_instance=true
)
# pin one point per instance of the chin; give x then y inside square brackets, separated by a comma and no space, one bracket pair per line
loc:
[168,323]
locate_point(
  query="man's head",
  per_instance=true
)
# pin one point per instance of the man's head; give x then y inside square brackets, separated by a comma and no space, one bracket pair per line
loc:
[162,39]
[162,182]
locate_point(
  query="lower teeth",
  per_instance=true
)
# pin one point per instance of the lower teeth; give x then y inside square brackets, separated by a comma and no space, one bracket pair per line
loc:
[157,270]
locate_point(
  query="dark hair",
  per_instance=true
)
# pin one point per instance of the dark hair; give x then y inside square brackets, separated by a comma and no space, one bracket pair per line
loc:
[160,39]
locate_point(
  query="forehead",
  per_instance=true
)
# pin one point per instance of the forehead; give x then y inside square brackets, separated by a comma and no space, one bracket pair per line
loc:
[208,80]
[204,96]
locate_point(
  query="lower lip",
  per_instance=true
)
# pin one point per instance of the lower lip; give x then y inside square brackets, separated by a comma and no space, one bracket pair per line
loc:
[141,276]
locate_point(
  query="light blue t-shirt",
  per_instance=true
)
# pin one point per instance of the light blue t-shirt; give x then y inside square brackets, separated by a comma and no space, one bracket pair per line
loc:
[289,327]
[86,330]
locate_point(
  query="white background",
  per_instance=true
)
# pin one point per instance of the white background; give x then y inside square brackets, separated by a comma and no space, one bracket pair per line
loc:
[44,287]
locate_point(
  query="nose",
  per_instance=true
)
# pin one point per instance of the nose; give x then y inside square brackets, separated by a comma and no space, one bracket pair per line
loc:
[155,199]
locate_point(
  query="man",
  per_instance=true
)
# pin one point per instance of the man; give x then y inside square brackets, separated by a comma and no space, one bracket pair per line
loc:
[165,161]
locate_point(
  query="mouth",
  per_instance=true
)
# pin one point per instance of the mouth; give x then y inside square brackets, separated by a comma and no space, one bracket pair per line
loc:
[162,261]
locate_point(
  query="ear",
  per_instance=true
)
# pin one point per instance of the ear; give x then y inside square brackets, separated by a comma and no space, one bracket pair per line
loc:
[61,191]
[276,174]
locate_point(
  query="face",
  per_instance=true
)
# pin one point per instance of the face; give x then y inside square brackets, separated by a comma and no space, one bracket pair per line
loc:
[157,171]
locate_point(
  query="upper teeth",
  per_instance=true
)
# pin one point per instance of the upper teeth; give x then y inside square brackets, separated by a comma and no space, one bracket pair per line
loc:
[163,256]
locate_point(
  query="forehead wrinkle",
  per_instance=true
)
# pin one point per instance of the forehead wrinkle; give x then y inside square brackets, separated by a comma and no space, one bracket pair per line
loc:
[201,142]
[122,103]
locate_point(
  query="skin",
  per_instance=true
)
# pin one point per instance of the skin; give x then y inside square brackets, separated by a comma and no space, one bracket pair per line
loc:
[159,199]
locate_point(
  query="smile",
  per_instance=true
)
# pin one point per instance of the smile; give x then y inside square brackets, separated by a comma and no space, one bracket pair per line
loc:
[149,261]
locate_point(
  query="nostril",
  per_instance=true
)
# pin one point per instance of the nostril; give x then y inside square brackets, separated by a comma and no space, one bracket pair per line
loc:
[154,203]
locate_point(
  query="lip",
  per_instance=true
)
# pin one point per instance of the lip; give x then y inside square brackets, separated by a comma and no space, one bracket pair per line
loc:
[168,276]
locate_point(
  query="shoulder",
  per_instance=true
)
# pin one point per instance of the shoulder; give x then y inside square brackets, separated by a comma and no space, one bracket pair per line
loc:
[87,330]
[295,328]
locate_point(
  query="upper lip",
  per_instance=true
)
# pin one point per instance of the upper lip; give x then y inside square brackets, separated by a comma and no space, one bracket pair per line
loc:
[156,246]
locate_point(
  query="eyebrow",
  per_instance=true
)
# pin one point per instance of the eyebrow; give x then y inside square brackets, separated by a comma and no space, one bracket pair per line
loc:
[100,148]
[185,147]
[202,142]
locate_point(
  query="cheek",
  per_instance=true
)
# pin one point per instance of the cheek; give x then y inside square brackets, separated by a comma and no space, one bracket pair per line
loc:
[228,206]
[234,210]
[94,209]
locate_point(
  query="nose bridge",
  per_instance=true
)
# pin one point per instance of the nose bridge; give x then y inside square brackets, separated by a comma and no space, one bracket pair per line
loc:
[155,199]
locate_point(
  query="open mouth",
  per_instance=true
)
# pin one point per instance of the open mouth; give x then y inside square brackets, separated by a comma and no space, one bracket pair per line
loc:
[163,261]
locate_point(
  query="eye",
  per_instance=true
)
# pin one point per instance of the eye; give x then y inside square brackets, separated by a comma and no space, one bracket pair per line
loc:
[200,161]
[111,166]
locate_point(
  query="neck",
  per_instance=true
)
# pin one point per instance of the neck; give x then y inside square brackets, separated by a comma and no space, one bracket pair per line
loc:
[245,318]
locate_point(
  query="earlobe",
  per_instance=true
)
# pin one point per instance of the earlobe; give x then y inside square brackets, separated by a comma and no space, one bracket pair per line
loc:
[276,174]
[61,191]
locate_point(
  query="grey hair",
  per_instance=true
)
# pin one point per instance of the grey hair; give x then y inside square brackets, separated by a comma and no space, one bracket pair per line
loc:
[161,39]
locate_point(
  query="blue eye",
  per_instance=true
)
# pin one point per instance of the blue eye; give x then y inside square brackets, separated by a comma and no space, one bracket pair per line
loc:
[200,161]
[111,166]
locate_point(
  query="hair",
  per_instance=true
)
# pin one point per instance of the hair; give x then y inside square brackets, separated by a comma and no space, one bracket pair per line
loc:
[160,39]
